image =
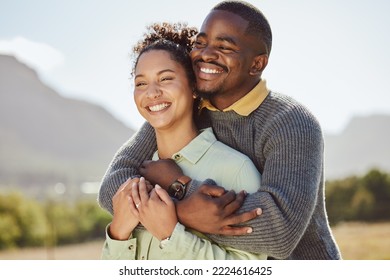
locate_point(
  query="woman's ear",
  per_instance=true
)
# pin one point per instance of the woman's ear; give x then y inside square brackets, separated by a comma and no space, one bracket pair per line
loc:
[259,64]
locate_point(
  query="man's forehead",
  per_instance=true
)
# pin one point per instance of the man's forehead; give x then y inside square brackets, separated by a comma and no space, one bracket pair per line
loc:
[224,20]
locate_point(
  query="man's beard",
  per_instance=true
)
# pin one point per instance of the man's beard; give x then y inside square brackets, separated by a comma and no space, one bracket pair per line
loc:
[209,94]
[206,94]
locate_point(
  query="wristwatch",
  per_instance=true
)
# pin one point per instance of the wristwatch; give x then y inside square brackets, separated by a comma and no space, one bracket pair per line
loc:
[178,188]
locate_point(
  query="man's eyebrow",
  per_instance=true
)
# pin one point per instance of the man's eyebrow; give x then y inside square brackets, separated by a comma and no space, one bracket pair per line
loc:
[227,39]
[201,34]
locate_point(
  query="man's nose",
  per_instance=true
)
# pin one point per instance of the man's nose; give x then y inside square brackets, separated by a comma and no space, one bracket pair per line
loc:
[209,53]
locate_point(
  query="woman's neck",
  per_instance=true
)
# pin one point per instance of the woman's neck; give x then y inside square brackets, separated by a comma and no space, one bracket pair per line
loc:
[170,141]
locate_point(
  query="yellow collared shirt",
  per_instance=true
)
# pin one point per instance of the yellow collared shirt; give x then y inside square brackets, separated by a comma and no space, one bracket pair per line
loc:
[247,104]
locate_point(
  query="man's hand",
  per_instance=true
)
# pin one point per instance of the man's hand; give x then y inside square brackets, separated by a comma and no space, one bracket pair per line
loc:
[162,172]
[210,209]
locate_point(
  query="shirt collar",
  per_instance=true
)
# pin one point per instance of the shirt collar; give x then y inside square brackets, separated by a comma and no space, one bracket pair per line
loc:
[247,104]
[195,150]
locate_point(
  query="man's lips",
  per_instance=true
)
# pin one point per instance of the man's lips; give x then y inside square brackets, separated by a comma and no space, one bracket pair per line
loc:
[210,71]
[210,67]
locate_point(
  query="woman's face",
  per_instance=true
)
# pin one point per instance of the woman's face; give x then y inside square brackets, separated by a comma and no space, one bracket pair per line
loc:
[161,90]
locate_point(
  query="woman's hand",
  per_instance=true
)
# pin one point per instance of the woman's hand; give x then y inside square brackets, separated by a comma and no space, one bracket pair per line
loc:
[156,210]
[124,221]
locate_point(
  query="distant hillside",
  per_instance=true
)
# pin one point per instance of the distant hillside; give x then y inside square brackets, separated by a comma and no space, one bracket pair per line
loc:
[47,138]
[362,145]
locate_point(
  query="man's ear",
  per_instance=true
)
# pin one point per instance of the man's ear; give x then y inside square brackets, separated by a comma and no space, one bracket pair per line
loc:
[259,64]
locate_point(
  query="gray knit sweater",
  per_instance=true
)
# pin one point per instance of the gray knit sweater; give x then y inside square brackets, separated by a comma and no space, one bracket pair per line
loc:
[285,142]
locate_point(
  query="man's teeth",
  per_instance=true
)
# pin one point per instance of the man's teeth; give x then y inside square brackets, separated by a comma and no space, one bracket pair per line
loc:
[210,71]
[158,107]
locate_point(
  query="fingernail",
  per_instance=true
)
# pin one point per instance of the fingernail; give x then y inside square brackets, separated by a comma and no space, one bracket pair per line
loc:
[158,186]
[142,178]
[249,230]
[259,211]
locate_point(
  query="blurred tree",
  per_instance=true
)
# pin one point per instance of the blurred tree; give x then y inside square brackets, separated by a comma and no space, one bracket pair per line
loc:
[9,231]
[378,184]
[365,198]
[27,225]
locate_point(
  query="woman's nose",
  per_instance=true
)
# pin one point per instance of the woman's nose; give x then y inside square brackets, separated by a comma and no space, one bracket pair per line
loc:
[154,91]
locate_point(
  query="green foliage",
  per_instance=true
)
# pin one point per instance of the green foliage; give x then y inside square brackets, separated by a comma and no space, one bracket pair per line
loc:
[22,222]
[73,223]
[10,231]
[25,222]
[365,198]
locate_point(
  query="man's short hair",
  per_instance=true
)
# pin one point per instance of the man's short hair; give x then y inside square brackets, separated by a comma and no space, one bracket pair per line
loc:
[258,24]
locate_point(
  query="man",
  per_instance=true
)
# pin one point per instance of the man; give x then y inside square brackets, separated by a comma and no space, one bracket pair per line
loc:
[281,136]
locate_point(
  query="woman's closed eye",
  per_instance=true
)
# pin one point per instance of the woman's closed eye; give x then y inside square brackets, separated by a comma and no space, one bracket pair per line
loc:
[140,84]
[166,78]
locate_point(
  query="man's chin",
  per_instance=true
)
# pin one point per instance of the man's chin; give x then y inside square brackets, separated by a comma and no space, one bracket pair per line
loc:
[206,94]
[207,91]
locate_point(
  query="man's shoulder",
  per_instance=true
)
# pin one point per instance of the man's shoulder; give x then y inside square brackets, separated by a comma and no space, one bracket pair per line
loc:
[278,107]
[282,101]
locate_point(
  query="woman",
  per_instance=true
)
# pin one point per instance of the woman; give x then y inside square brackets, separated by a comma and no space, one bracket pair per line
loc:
[164,94]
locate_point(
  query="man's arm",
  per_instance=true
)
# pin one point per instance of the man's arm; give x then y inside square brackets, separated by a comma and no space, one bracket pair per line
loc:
[287,195]
[293,170]
[125,164]
[207,199]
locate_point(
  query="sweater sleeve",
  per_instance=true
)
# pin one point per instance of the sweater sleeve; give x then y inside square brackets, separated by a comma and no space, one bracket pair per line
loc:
[125,164]
[292,151]
[185,245]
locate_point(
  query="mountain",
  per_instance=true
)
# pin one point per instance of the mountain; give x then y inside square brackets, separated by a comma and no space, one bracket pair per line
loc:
[362,145]
[47,138]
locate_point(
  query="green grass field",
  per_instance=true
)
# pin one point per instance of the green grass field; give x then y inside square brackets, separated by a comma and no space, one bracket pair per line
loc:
[357,241]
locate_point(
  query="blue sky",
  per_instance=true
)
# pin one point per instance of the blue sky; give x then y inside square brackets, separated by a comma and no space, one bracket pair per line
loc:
[333,56]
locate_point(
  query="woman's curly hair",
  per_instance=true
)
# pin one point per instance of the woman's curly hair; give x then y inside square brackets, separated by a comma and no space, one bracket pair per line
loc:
[176,38]
[178,33]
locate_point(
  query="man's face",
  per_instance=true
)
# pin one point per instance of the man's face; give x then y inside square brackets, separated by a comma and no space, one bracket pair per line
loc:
[222,58]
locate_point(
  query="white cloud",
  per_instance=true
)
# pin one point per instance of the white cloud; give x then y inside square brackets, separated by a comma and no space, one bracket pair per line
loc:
[39,56]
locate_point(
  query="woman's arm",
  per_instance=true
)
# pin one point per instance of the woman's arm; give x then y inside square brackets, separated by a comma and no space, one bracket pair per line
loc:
[126,163]
[183,245]
[186,245]
[157,213]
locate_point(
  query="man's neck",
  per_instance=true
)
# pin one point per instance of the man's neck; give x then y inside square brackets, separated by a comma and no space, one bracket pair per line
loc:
[223,100]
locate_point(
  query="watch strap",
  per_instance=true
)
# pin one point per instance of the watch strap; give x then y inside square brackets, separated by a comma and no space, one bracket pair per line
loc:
[184,180]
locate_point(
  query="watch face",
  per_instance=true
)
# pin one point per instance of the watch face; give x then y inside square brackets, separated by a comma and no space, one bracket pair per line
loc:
[177,190]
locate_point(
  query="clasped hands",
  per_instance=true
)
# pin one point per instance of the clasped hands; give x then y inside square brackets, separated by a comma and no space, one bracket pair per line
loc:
[136,201]
[209,209]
